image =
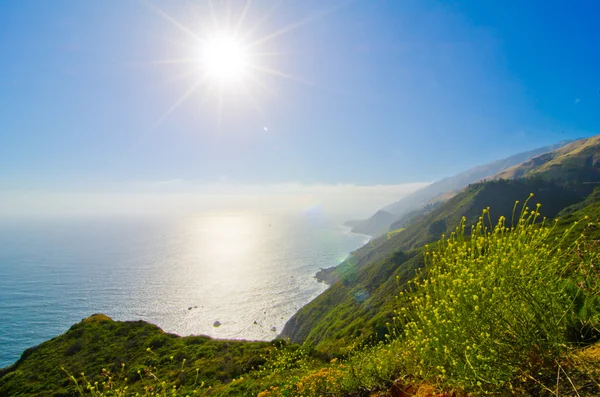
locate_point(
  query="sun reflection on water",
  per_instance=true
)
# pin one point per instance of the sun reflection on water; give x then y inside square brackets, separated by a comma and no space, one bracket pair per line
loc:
[225,254]
[231,238]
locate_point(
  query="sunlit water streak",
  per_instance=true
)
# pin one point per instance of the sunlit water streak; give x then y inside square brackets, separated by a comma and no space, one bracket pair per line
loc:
[235,269]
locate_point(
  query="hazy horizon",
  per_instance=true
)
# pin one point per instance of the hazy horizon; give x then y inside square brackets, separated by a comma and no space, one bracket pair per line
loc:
[180,198]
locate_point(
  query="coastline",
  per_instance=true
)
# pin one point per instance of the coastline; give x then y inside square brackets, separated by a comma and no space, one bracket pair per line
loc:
[272,287]
[333,274]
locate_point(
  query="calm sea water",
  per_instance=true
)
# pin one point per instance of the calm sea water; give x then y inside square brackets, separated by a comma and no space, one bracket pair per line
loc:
[181,274]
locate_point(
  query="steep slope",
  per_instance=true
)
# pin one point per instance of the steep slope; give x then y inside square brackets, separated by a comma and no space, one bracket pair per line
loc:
[442,188]
[414,216]
[577,162]
[590,207]
[361,302]
[499,195]
[358,302]
[357,307]
[460,181]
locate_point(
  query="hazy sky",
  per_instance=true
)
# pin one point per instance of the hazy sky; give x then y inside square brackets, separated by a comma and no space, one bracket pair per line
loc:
[108,98]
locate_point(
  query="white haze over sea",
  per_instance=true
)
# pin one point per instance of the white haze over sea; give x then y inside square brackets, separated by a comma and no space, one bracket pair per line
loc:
[184,197]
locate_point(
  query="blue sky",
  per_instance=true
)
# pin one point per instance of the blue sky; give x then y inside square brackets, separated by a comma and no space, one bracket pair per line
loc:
[365,93]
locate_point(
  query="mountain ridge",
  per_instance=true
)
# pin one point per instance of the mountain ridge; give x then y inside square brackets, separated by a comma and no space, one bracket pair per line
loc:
[377,225]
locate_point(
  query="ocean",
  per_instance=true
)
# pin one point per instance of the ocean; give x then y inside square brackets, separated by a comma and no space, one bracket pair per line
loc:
[248,272]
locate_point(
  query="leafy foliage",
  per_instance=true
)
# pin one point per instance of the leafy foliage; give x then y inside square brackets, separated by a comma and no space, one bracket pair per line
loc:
[508,303]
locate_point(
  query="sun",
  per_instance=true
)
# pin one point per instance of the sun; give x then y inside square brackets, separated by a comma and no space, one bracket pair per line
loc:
[224,60]
[230,53]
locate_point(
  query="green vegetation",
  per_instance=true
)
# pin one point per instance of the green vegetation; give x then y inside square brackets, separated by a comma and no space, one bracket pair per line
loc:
[358,305]
[561,180]
[98,346]
[501,307]
[575,163]
[412,205]
[395,231]
[500,310]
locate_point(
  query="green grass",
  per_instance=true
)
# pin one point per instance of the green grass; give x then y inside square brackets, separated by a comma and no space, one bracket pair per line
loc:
[98,345]
[391,233]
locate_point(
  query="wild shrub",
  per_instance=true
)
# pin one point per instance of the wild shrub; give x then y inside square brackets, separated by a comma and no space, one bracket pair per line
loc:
[499,303]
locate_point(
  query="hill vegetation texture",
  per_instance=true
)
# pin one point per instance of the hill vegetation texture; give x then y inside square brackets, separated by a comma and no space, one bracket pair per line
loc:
[375,266]
[381,221]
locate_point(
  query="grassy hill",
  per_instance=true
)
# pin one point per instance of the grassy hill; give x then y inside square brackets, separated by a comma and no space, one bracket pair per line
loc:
[375,225]
[99,345]
[577,162]
[355,305]
[357,308]
[358,305]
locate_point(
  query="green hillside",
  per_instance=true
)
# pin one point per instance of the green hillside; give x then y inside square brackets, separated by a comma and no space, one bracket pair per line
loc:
[380,222]
[577,162]
[373,268]
[99,344]
[358,305]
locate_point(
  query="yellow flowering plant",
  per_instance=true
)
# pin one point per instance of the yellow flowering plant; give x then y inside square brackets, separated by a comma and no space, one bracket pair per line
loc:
[499,303]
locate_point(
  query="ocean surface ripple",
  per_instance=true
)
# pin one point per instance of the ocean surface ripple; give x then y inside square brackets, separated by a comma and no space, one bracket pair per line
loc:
[249,272]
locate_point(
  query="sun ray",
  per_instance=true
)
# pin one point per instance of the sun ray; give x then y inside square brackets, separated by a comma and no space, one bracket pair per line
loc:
[252,100]
[178,102]
[229,59]
[269,54]
[220,107]
[213,16]
[281,74]
[177,77]
[261,85]
[173,21]
[296,25]
[228,16]
[178,43]
[242,17]
[173,61]
[263,20]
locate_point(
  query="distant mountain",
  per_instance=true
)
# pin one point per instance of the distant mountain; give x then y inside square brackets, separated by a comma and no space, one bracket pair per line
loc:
[376,225]
[577,162]
[443,190]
